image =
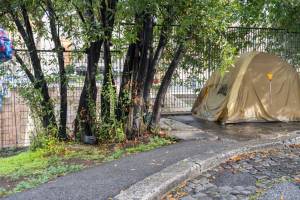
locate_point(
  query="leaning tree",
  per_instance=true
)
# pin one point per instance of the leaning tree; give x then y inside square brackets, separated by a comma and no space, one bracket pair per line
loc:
[27,19]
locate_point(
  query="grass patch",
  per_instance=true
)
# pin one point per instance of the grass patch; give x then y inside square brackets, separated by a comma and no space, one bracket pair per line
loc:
[155,142]
[32,168]
[45,176]
[23,163]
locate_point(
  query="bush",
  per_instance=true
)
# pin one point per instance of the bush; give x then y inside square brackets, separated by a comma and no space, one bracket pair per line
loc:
[112,131]
[48,143]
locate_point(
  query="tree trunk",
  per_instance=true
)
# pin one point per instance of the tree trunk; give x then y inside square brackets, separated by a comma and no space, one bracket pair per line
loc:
[138,99]
[132,84]
[85,122]
[108,94]
[122,110]
[163,39]
[62,133]
[48,115]
[164,86]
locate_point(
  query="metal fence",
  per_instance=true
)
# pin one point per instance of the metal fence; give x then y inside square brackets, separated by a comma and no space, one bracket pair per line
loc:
[17,123]
[189,80]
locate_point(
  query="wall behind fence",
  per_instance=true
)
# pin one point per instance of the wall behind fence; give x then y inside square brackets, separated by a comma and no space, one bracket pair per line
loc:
[17,123]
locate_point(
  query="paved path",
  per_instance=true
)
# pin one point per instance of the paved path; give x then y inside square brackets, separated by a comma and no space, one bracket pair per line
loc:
[107,180]
[271,175]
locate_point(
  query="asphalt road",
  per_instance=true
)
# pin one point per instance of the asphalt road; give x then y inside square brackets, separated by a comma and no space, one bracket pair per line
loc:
[108,179]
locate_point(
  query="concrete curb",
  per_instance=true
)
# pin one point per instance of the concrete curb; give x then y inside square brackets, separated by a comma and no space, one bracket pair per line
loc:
[158,184]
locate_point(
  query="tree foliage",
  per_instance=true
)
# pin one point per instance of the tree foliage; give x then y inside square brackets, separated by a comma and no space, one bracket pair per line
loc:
[270,13]
[155,37]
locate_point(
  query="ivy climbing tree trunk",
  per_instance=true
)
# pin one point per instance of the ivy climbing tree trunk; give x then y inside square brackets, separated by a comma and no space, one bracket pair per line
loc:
[86,122]
[140,67]
[138,73]
[108,93]
[124,99]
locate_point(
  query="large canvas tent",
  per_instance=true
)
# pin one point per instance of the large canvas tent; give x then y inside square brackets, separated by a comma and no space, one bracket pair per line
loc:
[260,87]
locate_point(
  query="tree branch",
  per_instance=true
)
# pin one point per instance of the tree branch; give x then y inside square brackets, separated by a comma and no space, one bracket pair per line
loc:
[165,84]
[79,13]
[62,73]
[28,27]
[163,40]
[25,69]
[20,27]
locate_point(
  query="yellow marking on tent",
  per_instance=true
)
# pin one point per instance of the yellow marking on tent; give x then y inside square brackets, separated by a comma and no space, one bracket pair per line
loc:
[270,76]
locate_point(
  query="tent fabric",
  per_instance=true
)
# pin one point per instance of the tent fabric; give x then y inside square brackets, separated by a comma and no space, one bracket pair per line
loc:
[6,47]
[259,87]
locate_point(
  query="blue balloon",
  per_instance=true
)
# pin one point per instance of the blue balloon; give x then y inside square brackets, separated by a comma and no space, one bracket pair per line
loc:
[6,47]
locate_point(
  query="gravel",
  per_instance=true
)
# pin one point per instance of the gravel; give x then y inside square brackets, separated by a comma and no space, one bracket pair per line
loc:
[268,175]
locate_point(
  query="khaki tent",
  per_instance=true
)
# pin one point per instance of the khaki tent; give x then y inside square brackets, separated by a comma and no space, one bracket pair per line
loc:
[260,87]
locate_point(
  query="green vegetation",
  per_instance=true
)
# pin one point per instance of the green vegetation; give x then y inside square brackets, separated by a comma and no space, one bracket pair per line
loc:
[29,169]
[154,143]
[29,161]
[34,167]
